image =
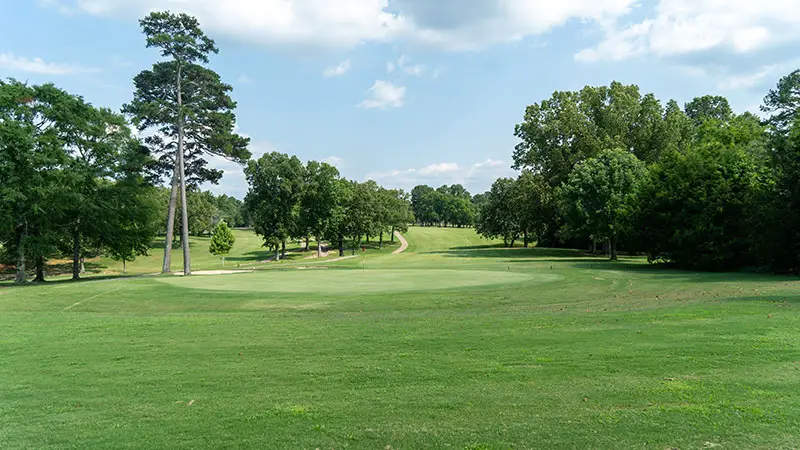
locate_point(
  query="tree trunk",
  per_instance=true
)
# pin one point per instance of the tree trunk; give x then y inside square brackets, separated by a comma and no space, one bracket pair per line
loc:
[76,254]
[307,247]
[612,244]
[173,200]
[223,260]
[393,231]
[380,242]
[283,249]
[39,269]
[525,238]
[124,267]
[594,246]
[187,261]
[319,249]
[83,265]
[512,242]
[368,239]
[21,277]
[341,246]
[277,253]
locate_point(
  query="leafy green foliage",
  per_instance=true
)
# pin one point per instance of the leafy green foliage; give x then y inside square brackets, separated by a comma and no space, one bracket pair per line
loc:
[709,107]
[570,127]
[222,241]
[447,205]
[499,217]
[695,208]
[601,197]
[783,104]
[276,186]
[131,211]
[318,198]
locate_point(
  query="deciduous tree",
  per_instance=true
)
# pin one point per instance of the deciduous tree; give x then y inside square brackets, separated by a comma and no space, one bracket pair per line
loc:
[600,198]
[222,241]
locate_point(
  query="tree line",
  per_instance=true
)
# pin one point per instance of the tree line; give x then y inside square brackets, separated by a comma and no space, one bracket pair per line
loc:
[698,187]
[76,181]
[80,180]
[72,181]
[446,206]
[204,210]
[292,201]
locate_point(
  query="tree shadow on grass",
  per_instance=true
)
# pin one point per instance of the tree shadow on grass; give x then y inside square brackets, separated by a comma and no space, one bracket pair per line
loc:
[495,251]
[8,283]
[557,258]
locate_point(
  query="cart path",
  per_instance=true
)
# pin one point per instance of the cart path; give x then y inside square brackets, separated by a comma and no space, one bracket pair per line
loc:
[403,244]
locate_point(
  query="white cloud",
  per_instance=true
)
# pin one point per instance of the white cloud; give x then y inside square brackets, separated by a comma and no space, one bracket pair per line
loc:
[681,27]
[339,70]
[383,95]
[477,177]
[488,163]
[467,24]
[402,64]
[335,161]
[437,169]
[244,79]
[746,81]
[11,62]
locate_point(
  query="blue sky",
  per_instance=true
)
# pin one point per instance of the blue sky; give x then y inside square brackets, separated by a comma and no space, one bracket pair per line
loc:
[411,91]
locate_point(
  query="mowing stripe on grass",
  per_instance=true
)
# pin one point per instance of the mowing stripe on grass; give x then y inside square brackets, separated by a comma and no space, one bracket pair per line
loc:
[89,298]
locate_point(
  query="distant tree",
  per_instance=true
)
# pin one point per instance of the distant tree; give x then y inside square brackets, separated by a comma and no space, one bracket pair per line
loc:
[601,196]
[222,241]
[203,212]
[498,216]
[423,204]
[229,209]
[317,200]
[478,200]
[382,214]
[360,217]
[782,104]
[131,222]
[276,185]
[677,131]
[459,191]
[713,107]
[337,226]
[535,205]
[189,107]
[399,211]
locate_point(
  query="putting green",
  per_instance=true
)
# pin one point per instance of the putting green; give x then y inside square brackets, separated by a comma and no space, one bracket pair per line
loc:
[355,281]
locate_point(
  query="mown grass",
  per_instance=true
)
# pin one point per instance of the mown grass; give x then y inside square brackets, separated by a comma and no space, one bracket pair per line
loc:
[606,355]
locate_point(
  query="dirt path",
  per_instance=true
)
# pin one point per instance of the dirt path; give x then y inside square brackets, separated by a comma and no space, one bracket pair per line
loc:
[403,244]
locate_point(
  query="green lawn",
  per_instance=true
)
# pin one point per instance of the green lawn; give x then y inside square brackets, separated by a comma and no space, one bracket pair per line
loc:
[456,343]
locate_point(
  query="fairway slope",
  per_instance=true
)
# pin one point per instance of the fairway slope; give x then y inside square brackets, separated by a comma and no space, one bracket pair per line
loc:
[455,343]
[358,281]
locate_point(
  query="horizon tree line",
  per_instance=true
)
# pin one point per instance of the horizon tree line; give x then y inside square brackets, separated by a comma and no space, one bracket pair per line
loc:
[698,187]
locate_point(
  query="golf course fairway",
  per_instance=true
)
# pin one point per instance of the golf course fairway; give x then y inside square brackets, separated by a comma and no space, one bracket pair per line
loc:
[455,343]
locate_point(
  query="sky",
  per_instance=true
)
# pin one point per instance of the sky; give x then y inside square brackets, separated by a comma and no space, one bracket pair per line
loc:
[410,92]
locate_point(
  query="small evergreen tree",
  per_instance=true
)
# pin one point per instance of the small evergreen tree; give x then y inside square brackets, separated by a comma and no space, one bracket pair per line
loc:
[222,241]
